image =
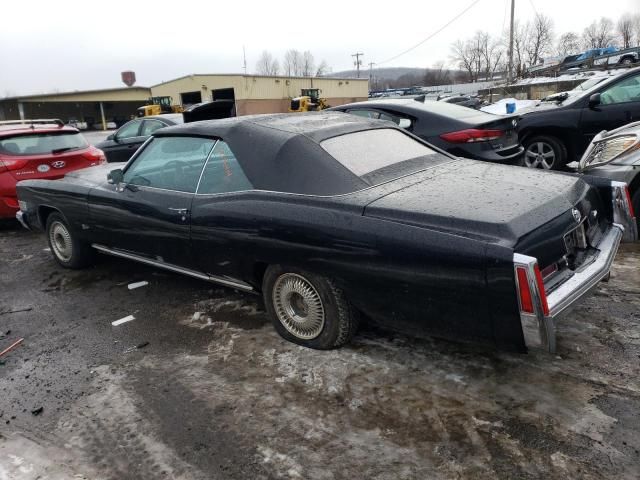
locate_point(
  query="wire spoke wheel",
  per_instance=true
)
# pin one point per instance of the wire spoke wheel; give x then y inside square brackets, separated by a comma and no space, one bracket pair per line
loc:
[60,240]
[540,155]
[298,306]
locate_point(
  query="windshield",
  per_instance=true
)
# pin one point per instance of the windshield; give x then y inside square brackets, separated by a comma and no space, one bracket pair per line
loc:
[584,86]
[380,155]
[42,143]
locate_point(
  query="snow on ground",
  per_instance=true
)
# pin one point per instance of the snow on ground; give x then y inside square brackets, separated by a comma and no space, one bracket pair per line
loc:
[500,107]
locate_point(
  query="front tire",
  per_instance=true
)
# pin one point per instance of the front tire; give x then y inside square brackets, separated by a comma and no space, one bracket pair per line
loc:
[68,251]
[545,152]
[308,309]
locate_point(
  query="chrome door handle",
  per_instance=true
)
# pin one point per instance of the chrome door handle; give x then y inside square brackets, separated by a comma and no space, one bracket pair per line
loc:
[179,210]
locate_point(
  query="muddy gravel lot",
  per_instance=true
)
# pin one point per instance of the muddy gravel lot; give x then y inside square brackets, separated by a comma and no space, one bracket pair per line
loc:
[216,394]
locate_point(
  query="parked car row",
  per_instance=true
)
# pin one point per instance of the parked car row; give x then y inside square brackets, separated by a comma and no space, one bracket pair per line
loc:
[335,218]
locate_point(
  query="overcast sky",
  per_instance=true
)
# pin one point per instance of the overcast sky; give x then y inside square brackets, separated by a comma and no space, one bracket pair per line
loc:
[78,45]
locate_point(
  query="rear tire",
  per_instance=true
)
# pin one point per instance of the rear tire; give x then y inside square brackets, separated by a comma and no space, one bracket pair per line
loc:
[545,152]
[67,250]
[308,309]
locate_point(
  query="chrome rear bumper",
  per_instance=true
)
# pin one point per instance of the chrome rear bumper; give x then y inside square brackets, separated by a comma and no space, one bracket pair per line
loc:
[539,330]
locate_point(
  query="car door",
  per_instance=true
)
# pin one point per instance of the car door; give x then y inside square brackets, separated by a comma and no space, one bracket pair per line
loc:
[221,225]
[148,213]
[619,105]
[125,142]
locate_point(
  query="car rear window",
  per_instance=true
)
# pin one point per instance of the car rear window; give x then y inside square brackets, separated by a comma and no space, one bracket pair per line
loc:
[42,143]
[379,155]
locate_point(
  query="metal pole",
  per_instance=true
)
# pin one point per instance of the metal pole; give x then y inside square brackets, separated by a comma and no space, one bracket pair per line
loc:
[510,72]
[358,62]
[104,122]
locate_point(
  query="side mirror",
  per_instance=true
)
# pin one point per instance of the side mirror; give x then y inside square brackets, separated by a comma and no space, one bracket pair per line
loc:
[111,137]
[115,177]
[594,100]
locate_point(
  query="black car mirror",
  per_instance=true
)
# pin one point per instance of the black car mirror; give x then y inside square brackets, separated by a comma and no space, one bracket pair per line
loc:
[594,100]
[115,177]
[111,137]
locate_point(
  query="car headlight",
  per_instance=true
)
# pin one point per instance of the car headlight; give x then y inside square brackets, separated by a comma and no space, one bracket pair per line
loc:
[23,205]
[608,149]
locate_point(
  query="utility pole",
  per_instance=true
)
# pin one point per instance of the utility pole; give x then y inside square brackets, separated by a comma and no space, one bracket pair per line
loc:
[357,62]
[371,64]
[244,60]
[510,72]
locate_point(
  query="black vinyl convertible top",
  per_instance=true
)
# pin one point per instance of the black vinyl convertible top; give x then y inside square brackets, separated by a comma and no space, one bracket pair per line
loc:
[282,152]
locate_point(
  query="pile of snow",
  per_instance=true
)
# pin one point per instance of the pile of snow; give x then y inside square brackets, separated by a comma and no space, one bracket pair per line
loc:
[500,107]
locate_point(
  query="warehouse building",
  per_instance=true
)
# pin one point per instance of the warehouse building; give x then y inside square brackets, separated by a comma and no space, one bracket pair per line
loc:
[251,94]
[91,106]
[259,94]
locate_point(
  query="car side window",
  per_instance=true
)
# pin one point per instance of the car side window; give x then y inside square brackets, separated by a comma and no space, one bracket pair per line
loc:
[129,130]
[150,126]
[170,163]
[627,90]
[223,173]
[364,113]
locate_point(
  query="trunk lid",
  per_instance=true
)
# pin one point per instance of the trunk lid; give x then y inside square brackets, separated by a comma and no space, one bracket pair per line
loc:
[501,204]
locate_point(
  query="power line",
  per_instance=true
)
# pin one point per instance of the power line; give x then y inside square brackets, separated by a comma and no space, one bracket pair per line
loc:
[433,34]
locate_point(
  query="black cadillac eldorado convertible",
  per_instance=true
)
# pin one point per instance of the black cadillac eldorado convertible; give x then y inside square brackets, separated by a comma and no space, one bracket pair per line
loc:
[332,216]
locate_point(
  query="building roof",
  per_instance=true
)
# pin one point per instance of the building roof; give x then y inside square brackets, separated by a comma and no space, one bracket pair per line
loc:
[243,75]
[79,92]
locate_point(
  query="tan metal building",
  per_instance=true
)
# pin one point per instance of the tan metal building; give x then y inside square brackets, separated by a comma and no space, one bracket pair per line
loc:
[251,93]
[257,93]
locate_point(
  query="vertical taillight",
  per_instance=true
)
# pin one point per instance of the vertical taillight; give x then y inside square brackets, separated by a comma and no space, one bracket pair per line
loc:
[541,291]
[623,211]
[530,286]
[526,302]
[629,204]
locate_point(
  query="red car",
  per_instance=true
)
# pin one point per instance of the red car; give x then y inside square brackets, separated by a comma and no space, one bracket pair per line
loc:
[39,149]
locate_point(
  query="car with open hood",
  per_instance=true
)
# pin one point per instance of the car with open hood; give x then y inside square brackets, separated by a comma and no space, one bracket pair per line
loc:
[333,218]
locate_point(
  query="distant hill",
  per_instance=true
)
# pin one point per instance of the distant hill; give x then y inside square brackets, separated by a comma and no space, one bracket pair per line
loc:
[398,77]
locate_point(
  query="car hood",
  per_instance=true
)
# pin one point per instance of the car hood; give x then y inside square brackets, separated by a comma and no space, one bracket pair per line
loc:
[497,203]
[539,107]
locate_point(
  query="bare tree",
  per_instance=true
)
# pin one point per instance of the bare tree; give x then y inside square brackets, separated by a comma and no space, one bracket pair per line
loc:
[292,64]
[267,65]
[568,44]
[625,30]
[323,69]
[308,67]
[465,56]
[520,36]
[539,38]
[437,75]
[599,34]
